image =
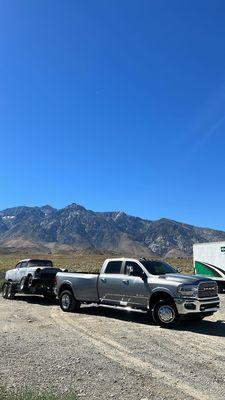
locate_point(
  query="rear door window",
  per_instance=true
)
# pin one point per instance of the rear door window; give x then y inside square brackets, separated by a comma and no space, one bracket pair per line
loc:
[113,267]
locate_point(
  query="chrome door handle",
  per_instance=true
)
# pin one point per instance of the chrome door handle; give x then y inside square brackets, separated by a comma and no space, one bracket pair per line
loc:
[125,281]
[103,280]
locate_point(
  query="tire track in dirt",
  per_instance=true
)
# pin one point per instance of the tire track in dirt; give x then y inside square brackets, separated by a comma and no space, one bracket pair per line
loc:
[113,350]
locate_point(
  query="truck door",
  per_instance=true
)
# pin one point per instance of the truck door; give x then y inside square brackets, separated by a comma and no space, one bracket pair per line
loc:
[109,284]
[136,291]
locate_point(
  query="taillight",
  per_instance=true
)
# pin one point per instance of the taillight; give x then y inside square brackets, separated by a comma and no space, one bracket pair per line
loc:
[55,281]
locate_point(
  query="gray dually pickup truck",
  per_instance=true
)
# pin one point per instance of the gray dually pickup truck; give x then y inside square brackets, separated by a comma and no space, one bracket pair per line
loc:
[150,285]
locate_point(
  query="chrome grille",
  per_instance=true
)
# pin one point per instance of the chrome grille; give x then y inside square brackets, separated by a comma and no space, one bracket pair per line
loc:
[207,289]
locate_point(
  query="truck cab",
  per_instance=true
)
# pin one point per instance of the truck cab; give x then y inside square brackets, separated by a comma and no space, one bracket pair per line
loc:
[125,281]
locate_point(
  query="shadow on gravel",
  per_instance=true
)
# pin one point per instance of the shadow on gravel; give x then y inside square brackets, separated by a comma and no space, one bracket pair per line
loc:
[123,315]
[211,328]
[35,300]
[205,327]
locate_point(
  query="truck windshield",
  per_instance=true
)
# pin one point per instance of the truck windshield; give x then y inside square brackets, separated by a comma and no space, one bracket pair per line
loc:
[158,267]
[40,263]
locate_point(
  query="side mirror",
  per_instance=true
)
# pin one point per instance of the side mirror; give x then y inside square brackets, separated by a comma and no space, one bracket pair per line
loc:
[178,270]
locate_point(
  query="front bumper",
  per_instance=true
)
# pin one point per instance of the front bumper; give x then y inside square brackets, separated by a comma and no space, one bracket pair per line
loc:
[197,306]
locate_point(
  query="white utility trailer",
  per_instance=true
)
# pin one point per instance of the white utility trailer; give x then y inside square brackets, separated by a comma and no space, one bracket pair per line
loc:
[209,260]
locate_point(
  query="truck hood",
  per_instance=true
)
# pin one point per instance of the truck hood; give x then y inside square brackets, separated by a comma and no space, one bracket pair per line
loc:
[183,278]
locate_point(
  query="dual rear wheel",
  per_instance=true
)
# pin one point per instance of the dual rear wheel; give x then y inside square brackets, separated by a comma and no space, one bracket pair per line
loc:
[67,301]
[8,291]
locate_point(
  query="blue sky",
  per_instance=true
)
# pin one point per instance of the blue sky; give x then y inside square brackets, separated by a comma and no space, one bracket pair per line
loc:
[115,105]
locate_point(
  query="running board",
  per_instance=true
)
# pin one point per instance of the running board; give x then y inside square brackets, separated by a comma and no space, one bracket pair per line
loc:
[127,308]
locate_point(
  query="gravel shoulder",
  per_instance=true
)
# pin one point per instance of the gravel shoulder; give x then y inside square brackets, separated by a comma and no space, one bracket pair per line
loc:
[105,353]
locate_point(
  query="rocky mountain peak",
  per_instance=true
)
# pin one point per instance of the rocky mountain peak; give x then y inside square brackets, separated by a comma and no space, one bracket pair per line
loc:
[74,227]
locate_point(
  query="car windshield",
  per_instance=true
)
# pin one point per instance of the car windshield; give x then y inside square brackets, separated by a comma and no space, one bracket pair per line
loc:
[40,263]
[158,267]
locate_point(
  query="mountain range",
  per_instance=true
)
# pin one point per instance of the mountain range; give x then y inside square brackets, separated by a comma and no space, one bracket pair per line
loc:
[46,229]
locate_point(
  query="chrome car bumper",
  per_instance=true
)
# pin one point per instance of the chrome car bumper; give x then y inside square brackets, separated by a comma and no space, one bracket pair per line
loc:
[192,306]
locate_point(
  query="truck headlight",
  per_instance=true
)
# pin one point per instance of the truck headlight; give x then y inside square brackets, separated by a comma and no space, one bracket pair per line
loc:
[187,291]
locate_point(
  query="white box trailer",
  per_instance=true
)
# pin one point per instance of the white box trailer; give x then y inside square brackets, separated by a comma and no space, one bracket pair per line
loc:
[209,260]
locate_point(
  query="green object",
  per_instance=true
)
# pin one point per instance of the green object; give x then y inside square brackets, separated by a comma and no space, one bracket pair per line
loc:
[206,269]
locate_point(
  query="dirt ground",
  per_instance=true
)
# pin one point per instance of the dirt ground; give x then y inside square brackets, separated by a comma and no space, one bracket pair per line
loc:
[105,353]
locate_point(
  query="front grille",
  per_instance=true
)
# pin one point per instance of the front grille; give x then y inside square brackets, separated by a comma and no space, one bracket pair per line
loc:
[207,289]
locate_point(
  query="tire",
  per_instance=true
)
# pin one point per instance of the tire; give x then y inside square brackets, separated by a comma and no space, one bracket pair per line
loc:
[5,290]
[165,314]
[10,293]
[67,301]
[23,284]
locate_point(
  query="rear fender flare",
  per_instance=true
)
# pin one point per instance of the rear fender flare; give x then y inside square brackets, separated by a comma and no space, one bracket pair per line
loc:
[67,285]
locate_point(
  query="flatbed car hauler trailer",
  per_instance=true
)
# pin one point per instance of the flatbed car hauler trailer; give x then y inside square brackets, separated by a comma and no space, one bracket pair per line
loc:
[30,276]
[209,260]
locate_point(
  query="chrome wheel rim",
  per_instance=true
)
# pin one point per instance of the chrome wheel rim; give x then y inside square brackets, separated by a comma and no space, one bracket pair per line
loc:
[166,314]
[65,301]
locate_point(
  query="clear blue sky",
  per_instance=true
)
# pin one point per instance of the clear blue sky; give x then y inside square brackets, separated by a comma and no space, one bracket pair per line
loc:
[115,105]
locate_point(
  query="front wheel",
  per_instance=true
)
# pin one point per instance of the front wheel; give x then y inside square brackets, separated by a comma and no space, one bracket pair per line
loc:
[165,314]
[67,301]
[23,284]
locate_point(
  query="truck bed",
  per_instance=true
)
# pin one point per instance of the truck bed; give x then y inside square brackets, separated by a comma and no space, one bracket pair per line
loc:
[85,285]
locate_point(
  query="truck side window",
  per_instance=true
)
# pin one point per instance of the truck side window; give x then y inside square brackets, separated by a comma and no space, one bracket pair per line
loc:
[137,270]
[113,267]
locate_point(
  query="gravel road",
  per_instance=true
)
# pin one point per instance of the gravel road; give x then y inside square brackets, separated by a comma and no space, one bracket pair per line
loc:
[106,354]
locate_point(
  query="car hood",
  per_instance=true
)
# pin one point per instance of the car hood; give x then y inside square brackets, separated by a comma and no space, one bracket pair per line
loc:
[183,278]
